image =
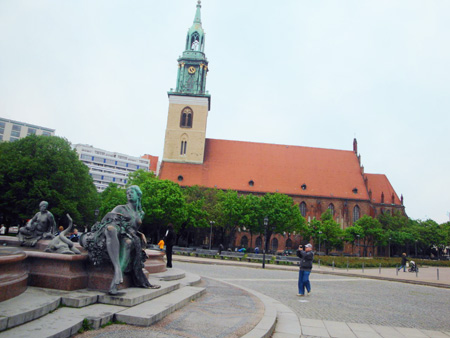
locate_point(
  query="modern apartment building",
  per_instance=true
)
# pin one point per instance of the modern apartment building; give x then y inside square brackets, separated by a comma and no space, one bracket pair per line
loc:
[110,167]
[11,130]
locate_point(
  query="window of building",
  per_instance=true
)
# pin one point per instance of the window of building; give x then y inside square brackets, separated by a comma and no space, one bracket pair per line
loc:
[12,139]
[302,207]
[289,243]
[356,213]
[186,118]
[132,166]
[331,208]
[46,133]
[2,127]
[31,131]
[86,157]
[274,245]
[244,241]
[183,147]
[258,242]
[15,131]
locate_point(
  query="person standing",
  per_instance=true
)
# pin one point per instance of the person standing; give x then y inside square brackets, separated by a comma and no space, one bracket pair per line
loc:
[306,261]
[2,229]
[169,238]
[404,260]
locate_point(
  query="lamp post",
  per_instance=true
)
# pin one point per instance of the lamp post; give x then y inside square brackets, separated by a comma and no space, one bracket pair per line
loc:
[210,234]
[320,233]
[415,248]
[266,223]
[358,245]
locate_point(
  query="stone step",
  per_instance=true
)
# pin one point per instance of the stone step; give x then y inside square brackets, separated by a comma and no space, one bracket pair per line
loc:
[152,311]
[135,296]
[170,274]
[65,322]
[32,304]
[190,279]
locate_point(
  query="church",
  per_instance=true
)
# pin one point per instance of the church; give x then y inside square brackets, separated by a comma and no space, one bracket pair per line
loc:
[317,179]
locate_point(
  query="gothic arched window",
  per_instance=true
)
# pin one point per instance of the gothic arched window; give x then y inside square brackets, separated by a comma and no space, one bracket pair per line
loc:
[289,243]
[244,241]
[258,242]
[186,118]
[356,215]
[302,207]
[195,41]
[331,208]
[274,245]
[183,147]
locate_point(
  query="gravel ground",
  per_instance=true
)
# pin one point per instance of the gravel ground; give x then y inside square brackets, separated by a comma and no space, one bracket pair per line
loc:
[343,299]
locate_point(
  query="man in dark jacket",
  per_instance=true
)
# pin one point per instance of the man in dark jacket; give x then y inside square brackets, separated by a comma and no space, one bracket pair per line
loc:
[169,240]
[403,265]
[306,260]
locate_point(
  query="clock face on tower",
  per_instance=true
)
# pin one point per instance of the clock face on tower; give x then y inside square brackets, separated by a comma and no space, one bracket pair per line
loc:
[191,70]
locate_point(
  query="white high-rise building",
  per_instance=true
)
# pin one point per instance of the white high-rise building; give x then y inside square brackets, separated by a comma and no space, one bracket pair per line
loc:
[106,166]
[11,130]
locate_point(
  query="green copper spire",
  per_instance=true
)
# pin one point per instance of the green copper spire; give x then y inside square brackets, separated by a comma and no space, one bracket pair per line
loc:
[198,18]
[193,65]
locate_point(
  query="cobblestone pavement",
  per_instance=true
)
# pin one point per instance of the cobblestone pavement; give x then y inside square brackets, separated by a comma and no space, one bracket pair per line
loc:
[222,312]
[343,299]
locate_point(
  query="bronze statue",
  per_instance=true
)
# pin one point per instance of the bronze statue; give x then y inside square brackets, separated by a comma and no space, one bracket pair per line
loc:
[61,244]
[117,238]
[41,226]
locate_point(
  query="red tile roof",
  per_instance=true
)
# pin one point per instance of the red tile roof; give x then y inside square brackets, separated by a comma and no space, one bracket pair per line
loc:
[274,168]
[379,184]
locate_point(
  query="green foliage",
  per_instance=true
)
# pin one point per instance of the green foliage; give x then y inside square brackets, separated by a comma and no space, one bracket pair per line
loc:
[85,326]
[326,231]
[38,168]
[112,196]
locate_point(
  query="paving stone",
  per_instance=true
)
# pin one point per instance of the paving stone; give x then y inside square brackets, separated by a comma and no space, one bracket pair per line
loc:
[411,333]
[435,334]
[315,331]
[387,331]
[312,322]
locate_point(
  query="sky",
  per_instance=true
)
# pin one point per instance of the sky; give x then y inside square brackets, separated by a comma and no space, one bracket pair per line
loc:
[295,72]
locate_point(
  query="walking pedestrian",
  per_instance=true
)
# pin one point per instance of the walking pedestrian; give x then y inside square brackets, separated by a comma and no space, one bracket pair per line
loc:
[306,261]
[404,260]
[169,239]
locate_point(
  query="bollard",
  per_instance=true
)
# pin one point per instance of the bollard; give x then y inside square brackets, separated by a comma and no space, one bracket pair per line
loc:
[363,267]
[380,269]
[396,270]
[417,272]
[437,273]
[333,266]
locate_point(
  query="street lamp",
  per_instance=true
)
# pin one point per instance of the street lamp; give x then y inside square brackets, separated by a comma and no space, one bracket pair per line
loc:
[266,223]
[358,245]
[210,234]
[416,248]
[320,233]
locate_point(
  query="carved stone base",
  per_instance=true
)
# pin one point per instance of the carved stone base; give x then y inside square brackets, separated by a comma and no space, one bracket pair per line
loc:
[155,262]
[57,271]
[14,274]
[100,278]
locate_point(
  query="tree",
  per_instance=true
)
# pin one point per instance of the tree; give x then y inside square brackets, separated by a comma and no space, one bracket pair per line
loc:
[283,215]
[371,232]
[38,168]
[112,196]
[326,231]
[162,201]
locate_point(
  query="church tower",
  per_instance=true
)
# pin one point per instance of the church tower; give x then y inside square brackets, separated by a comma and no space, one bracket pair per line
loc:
[189,103]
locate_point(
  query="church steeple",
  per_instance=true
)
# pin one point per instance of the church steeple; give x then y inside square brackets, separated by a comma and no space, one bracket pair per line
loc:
[193,65]
[189,103]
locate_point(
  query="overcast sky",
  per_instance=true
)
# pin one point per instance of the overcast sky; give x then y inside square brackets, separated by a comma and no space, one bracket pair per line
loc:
[308,73]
